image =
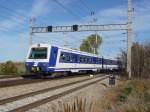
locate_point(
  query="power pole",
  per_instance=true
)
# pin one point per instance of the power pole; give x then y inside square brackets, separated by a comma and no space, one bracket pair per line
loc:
[95,42]
[30,28]
[65,39]
[129,38]
[94,20]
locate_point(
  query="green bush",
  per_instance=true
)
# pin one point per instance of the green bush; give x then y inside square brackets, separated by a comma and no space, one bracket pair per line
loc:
[125,93]
[9,68]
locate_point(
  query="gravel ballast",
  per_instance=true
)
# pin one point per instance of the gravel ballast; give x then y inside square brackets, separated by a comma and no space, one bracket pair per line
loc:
[27,88]
[91,93]
[25,101]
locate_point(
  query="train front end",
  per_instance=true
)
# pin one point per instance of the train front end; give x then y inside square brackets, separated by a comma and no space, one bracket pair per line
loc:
[37,60]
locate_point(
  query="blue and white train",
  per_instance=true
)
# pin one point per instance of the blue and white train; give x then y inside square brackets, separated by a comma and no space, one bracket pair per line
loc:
[44,58]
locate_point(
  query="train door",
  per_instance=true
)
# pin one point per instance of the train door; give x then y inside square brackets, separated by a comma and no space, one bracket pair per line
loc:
[94,62]
[75,61]
[53,56]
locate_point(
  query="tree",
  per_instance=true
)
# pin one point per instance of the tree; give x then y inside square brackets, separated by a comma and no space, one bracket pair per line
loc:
[90,45]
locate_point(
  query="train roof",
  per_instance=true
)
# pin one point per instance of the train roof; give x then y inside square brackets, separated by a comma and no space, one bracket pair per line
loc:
[64,48]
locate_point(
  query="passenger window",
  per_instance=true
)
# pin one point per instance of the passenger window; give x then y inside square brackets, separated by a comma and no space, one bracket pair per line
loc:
[85,60]
[62,57]
[73,58]
[89,60]
[99,61]
[81,59]
[68,58]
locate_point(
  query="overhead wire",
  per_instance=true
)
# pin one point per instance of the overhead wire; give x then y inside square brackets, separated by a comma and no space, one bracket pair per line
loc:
[86,6]
[54,39]
[13,18]
[67,9]
[25,4]
[5,29]
[13,11]
[14,15]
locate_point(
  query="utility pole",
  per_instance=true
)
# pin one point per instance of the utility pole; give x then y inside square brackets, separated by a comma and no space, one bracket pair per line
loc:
[129,38]
[65,39]
[94,20]
[95,42]
[30,28]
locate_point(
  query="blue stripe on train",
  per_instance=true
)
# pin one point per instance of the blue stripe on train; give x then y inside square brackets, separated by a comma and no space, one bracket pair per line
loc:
[53,56]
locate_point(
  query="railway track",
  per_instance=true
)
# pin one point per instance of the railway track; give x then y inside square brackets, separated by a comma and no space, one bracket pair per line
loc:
[20,103]
[7,77]
[8,100]
[6,81]
[9,83]
[10,77]
[30,79]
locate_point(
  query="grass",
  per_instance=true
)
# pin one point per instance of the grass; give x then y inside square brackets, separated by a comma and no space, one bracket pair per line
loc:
[79,105]
[84,105]
[128,96]
[125,93]
[132,97]
[0,69]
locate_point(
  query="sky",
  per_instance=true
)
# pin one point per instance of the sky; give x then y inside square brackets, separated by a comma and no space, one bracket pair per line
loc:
[15,16]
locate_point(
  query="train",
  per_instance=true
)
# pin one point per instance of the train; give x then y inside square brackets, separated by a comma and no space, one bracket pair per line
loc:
[48,59]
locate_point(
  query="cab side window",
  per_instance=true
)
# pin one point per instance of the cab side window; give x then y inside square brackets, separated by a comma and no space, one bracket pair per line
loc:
[62,57]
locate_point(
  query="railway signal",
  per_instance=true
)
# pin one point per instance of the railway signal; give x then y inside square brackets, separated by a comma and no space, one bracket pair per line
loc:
[49,28]
[75,27]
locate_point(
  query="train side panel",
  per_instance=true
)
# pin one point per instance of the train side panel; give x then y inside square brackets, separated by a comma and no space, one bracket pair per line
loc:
[73,63]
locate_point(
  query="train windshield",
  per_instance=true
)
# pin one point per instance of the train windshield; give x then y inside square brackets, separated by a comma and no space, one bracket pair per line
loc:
[38,53]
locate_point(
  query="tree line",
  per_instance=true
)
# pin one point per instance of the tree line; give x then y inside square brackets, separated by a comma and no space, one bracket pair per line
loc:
[140,59]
